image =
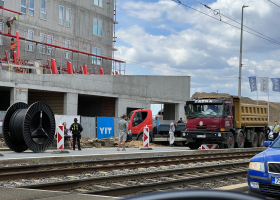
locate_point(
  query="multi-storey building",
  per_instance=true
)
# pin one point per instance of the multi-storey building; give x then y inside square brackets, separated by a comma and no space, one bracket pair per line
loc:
[85,25]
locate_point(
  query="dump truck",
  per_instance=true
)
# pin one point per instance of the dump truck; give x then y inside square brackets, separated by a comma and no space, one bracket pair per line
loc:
[159,130]
[225,121]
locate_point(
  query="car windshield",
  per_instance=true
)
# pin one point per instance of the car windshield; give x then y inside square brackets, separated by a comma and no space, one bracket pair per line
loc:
[202,109]
[277,143]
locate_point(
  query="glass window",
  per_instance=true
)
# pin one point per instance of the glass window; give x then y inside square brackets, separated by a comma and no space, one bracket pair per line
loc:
[43,40]
[30,37]
[50,41]
[31,8]
[96,60]
[97,26]
[61,15]
[68,17]
[2,2]
[209,110]
[67,45]
[98,3]
[2,29]
[23,6]
[43,10]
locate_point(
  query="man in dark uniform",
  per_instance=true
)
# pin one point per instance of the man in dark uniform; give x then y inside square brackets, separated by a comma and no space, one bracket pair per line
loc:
[76,129]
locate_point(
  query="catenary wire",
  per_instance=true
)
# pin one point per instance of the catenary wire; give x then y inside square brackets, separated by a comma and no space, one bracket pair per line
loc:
[274,3]
[236,21]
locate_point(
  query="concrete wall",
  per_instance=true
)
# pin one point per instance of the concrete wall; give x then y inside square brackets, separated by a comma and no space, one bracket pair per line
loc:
[80,32]
[128,91]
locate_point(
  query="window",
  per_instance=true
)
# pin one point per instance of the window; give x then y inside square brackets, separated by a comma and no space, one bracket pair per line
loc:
[139,118]
[30,37]
[96,60]
[43,10]
[31,8]
[2,29]
[2,2]
[67,45]
[43,40]
[68,17]
[23,6]
[61,15]
[97,26]
[50,41]
[98,3]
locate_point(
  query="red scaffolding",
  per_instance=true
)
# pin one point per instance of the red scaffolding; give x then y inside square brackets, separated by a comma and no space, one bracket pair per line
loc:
[53,64]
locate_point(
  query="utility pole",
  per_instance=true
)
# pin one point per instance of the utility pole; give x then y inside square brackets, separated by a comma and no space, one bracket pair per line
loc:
[240,57]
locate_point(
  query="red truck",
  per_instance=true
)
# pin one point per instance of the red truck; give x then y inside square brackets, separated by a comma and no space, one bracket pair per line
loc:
[225,121]
[138,119]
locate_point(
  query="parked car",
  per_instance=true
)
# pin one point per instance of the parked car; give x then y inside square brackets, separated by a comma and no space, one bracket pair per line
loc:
[264,171]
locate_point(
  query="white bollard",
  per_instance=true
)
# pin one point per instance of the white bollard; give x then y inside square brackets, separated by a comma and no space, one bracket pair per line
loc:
[146,136]
[60,138]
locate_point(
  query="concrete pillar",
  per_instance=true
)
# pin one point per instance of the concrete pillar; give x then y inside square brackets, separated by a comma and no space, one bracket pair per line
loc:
[179,111]
[122,105]
[70,106]
[18,95]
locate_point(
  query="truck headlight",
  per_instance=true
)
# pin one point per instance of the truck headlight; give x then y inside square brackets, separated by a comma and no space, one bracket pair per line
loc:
[254,185]
[184,134]
[219,134]
[258,166]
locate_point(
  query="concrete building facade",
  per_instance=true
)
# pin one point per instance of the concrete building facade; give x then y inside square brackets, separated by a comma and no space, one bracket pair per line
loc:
[92,95]
[85,25]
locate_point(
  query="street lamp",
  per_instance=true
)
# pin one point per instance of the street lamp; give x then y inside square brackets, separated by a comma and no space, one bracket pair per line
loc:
[240,58]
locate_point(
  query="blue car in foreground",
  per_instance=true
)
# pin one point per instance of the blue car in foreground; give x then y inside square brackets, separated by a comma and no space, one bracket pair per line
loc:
[264,171]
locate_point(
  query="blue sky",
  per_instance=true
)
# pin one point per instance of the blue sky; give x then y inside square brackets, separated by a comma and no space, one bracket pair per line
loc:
[183,42]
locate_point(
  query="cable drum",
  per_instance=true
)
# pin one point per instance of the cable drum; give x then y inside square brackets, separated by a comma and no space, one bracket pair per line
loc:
[29,128]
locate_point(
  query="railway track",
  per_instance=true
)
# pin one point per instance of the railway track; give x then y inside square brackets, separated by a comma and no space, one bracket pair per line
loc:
[49,170]
[120,185]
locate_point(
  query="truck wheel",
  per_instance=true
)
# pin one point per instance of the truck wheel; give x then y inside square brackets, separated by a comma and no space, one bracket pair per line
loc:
[261,139]
[230,141]
[240,140]
[193,145]
[255,140]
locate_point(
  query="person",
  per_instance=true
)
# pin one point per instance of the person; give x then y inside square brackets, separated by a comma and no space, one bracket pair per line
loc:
[123,130]
[9,23]
[13,47]
[275,130]
[66,136]
[76,130]
[180,121]
[173,126]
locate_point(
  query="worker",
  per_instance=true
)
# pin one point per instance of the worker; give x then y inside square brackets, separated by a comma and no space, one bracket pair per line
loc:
[9,23]
[173,126]
[76,130]
[13,47]
[180,121]
[275,130]
[123,130]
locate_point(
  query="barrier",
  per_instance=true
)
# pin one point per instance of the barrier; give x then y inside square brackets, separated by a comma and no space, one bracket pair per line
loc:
[60,138]
[209,146]
[69,67]
[85,69]
[54,69]
[146,136]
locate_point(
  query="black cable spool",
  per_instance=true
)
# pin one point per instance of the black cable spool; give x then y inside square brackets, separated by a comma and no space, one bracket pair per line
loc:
[29,127]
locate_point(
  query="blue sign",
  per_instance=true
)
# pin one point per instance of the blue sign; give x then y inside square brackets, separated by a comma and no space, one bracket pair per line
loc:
[105,127]
[276,84]
[253,83]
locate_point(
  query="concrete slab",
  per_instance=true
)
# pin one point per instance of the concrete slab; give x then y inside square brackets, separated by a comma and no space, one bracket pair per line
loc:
[243,187]
[27,194]
[103,153]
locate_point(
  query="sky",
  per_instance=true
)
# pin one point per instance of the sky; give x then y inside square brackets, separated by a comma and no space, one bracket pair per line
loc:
[161,37]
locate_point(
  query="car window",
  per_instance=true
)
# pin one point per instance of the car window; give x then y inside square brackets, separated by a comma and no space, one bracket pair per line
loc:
[276,144]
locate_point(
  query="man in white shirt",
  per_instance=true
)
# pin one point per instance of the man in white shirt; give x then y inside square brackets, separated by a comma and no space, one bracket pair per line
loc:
[173,126]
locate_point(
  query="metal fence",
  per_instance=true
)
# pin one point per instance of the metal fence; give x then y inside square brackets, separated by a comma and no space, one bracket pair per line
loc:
[89,126]
[116,129]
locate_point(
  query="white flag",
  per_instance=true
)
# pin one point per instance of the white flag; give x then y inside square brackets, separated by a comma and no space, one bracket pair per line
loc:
[264,84]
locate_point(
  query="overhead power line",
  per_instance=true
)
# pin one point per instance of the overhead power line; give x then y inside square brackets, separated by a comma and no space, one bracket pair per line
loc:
[274,3]
[263,37]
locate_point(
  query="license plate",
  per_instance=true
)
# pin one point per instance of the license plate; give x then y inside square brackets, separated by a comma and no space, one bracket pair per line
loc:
[201,136]
[276,180]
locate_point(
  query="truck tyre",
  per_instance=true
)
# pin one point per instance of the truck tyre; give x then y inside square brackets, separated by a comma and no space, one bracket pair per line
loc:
[261,139]
[193,145]
[230,141]
[240,140]
[255,140]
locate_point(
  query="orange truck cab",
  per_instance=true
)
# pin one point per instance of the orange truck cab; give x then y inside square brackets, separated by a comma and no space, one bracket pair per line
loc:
[159,132]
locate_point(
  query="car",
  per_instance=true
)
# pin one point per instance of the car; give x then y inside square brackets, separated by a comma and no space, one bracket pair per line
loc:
[264,171]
